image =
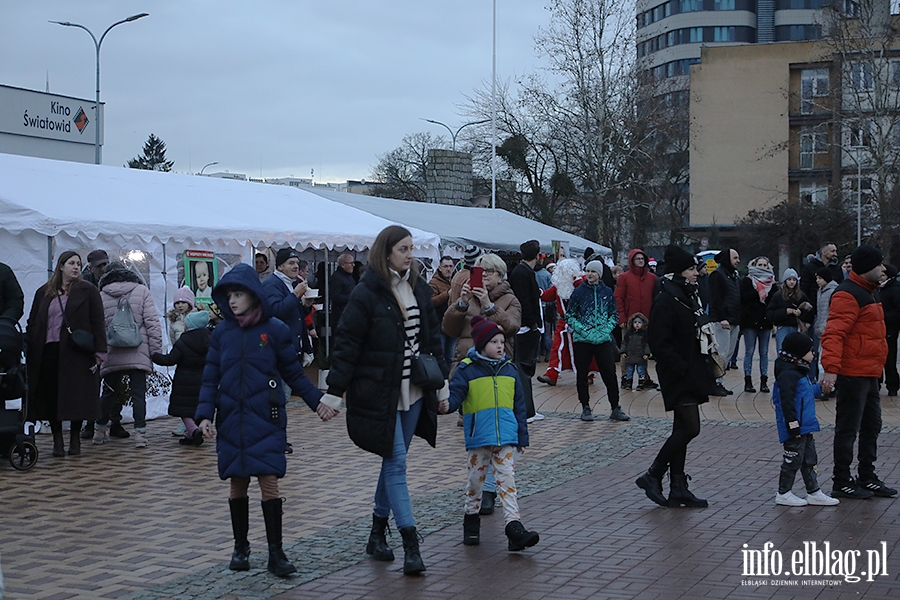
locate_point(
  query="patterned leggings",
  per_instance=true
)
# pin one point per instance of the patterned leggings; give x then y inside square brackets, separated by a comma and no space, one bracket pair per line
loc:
[502,458]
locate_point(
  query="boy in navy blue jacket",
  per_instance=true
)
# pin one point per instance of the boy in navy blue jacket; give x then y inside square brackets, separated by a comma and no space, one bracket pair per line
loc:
[794,397]
[486,384]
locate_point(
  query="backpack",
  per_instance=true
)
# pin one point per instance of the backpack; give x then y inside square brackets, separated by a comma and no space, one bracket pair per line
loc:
[123,331]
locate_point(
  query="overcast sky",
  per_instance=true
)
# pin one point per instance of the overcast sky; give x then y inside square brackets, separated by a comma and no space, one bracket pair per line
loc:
[272,87]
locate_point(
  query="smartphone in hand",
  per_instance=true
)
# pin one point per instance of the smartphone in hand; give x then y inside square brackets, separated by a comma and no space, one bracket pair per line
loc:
[477,278]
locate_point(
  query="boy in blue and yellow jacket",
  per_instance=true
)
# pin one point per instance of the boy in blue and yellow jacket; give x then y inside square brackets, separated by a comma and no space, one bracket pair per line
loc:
[794,397]
[486,385]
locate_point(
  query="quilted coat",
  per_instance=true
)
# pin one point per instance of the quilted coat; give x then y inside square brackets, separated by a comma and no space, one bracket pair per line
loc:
[855,338]
[118,283]
[492,402]
[794,398]
[242,385]
[189,354]
[367,362]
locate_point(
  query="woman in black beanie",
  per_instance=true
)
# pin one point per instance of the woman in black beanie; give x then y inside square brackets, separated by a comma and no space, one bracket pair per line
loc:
[677,327]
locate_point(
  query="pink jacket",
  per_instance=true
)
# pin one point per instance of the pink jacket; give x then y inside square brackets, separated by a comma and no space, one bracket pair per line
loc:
[123,359]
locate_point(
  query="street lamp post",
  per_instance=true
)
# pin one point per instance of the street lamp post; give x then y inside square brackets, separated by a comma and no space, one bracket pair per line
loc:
[97,46]
[856,158]
[453,135]
[208,165]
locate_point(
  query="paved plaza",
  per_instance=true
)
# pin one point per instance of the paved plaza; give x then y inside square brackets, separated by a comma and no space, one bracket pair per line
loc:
[126,523]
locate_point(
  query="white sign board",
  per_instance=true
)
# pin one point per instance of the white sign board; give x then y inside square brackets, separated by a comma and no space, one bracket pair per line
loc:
[50,116]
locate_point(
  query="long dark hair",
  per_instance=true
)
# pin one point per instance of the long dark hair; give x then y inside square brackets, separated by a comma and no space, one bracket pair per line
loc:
[791,294]
[55,283]
[383,246]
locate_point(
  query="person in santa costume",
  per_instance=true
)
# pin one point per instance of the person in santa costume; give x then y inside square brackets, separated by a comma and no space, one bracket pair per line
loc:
[566,276]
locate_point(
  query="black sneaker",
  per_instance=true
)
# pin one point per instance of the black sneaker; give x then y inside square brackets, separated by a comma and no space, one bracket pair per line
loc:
[586,414]
[117,431]
[878,488]
[545,380]
[619,415]
[850,490]
[88,432]
[721,391]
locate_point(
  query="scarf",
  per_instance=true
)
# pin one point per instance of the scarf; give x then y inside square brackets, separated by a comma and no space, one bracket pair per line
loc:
[703,326]
[762,280]
[249,319]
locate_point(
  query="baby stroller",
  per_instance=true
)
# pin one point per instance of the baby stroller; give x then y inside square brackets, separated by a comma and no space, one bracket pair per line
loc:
[16,437]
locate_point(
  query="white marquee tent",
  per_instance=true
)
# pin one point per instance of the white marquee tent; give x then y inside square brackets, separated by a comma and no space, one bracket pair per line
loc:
[460,226]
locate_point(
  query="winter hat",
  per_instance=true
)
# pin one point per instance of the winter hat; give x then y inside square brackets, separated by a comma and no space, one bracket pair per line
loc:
[97,257]
[184,294]
[891,271]
[865,258]
[116,265]
[825,273]
[471,254]
[482,331]
[788,273]
[677,259]
[594,265]
[284,255]
[796,344]
[550,266]
[196,320]
[651,262]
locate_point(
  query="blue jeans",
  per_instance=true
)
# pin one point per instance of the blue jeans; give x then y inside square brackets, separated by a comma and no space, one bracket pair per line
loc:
[392,494]
[629,372]
[782,332]
[449,345]
[752,338]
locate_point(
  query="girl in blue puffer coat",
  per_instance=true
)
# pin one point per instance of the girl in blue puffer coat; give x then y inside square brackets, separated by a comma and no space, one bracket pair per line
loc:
[250,353]
[486,385]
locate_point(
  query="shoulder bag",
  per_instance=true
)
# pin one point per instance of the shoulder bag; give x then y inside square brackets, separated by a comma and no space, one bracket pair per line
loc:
[425,372]
[81,340]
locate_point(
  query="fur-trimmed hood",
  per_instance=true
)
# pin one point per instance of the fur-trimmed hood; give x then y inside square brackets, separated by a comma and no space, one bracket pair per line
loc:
[117,272]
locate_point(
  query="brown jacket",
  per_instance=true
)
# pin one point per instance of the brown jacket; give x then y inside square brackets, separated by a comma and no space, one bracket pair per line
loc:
[78,398]
[440,298]
[507,313]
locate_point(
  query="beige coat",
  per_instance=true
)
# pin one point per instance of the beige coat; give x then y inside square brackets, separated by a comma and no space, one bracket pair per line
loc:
[507,313]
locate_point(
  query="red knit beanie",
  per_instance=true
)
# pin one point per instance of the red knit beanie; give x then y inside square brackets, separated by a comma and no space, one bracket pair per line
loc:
[482,331]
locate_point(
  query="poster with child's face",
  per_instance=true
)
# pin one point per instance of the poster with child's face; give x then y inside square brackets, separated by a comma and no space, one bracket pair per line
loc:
[201,273]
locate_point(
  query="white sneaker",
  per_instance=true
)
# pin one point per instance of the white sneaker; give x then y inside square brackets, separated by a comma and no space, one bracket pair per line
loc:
[820,498]
[140,439]
[538,416]
[180,430]
[789,499]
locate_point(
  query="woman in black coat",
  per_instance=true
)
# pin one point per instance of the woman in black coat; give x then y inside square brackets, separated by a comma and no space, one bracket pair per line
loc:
[684,377]
[789,308]
[756,291]
[388,320]
[65,380]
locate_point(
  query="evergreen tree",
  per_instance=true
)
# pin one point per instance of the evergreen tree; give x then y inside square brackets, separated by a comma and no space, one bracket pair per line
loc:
[154,158]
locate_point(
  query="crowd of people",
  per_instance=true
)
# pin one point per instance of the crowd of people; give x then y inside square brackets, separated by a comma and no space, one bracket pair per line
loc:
[404,350]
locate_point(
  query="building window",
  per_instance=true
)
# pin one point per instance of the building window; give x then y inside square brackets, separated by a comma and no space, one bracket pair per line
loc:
[723,34]
[723,5]
[696,34]
[861,76]
[814,192]
[812,142]
[813,84]
[895,74]
[860,134]
[691,5]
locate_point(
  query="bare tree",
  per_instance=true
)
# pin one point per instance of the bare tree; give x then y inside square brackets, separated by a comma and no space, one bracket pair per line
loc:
[404,170]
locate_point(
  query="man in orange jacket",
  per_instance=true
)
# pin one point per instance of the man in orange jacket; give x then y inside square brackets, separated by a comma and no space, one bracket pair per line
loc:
[854,349]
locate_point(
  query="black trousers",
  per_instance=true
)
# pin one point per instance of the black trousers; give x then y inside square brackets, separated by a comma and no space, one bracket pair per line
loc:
[799,455]
[857,411]
[526,349]
[604,354]
[685,427]
[891,377]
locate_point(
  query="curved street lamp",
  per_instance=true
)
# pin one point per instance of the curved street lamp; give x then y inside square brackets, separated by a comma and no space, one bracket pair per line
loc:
[208,165]
[97,46]
[453,135]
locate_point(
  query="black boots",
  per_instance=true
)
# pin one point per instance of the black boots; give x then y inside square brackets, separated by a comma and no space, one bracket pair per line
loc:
[378,547]
[75,440]
[412,559]
[651,483]
[520,538]
[471,530]
[240,526]
[488,500]
[681,496]
[763,384]
[59,448]
[626,383]
[748,385]
[278,562]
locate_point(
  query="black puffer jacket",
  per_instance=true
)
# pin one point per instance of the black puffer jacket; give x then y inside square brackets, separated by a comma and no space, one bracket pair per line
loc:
[682,370]
[778,306]
[753,312]
[724,291]
[367,362]
[890,302]
[189,354]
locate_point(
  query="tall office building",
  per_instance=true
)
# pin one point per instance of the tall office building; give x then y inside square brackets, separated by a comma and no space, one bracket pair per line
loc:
[670,33]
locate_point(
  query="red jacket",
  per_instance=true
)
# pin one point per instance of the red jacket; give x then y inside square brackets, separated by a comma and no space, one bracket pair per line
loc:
[854,342]
[634,289]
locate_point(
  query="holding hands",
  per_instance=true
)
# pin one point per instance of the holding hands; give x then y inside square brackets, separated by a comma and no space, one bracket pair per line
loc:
[443,407]
[325,412]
